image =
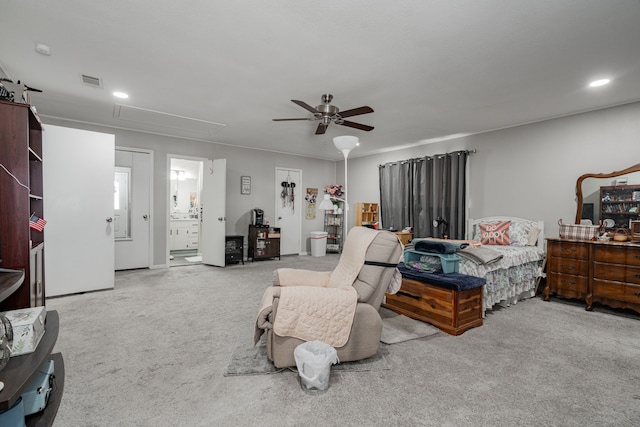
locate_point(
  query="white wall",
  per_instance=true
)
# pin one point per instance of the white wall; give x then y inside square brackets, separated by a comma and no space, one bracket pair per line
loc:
[260,165]
[527,171]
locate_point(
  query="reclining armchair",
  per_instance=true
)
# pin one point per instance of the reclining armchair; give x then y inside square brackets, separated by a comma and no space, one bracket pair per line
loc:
[338,307]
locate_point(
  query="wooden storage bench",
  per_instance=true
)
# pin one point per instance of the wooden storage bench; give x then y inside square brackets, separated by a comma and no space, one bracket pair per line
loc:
[450,306]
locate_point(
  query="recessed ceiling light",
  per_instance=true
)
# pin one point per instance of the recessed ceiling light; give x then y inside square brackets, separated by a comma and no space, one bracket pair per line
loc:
[43,49]
[600,82]
[120,95]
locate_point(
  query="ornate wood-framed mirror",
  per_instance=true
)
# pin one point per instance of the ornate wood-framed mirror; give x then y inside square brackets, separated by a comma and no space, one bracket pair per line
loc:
[588,189]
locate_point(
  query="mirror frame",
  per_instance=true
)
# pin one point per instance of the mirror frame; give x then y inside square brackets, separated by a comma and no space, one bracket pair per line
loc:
[634,168]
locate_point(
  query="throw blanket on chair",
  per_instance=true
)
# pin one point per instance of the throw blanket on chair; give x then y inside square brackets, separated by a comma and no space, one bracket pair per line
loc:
[323,314]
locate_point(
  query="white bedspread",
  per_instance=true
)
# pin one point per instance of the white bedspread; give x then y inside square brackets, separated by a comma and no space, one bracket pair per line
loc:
[510,279]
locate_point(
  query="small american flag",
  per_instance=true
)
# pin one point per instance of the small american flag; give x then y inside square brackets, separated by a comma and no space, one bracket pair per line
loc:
[37,223]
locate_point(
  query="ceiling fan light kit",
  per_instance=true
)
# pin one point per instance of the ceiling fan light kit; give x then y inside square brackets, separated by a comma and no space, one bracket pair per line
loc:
[328,114]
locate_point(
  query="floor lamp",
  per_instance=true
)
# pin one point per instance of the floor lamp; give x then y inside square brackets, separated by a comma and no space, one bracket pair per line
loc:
[345,144]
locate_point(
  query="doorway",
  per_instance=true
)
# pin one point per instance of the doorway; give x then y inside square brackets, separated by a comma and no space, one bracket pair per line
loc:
[289,196]
[185,185]
[197,213]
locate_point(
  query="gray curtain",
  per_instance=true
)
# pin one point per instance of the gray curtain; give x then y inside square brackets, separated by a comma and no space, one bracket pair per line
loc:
[415,192]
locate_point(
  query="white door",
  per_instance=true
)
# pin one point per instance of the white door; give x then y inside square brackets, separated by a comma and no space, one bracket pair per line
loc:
[78,175]
[132,211]
[289,195]
[213,212]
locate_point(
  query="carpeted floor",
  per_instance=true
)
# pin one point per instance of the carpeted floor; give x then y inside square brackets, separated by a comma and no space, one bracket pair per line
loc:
[154,352]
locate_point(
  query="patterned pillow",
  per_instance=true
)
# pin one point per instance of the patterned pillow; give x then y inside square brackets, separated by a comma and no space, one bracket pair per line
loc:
[495,233]
[520,233]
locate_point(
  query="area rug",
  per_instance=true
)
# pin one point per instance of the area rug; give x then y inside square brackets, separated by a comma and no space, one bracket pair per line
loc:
[397,328]
[249,360]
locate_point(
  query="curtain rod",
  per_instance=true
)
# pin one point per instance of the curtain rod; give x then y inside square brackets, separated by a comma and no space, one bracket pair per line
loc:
[420,159]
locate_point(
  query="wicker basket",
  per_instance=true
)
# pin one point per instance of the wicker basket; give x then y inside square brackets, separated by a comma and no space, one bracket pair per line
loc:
[578,231]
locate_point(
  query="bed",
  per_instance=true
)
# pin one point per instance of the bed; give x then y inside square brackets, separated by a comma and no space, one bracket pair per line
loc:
[500,262]
[516,275]
[507,252]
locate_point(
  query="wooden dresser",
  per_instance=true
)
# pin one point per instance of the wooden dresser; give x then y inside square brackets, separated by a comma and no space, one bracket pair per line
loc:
[604,272]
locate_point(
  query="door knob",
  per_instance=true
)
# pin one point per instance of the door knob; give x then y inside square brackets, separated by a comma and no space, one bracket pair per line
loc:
[109,219]
[279,218]
[145,217]
[220,218]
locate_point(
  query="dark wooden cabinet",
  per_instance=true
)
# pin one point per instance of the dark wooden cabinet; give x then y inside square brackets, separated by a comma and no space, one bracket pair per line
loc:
[234,250]
[264,242]
[22,252]
[21,193]
[603,272]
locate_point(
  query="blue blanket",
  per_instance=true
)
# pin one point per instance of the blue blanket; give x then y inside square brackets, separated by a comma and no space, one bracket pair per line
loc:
[435,246]
[454,281]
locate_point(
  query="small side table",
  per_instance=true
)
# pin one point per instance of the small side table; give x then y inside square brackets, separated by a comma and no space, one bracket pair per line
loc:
[404,237]
[234,250]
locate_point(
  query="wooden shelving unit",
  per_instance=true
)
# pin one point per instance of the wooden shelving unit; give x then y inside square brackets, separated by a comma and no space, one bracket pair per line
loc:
[264,242]
[22,252]
[366,213]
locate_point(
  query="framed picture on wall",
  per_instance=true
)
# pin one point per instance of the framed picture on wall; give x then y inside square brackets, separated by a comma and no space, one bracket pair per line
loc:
[245,185]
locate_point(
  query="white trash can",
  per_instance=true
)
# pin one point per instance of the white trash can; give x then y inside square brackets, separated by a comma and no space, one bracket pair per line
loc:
[318,243]
[314,360]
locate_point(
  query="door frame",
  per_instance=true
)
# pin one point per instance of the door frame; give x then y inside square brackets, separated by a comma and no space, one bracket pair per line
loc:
[297,200]
[151,191]
[168,199]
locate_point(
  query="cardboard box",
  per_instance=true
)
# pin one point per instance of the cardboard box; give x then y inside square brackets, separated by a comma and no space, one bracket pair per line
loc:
[28,328]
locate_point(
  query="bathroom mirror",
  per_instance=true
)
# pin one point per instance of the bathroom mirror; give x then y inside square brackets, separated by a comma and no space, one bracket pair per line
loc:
[588,190]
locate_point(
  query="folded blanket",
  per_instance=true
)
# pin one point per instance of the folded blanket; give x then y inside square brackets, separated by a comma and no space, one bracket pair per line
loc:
[312,313]
[435,246]
[480,255]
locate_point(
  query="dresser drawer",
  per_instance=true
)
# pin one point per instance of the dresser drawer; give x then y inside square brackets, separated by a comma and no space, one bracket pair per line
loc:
[616,291]
[575,250]
[569,266]
[615,272]
[568,285]
[617,255]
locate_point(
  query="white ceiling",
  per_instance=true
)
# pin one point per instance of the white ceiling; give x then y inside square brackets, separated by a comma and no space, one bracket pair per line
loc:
[219,71]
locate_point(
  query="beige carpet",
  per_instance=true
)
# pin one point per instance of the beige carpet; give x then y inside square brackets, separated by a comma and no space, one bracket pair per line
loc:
[154,351]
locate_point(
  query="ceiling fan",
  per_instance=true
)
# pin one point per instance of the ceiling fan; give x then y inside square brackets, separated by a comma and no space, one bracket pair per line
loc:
[328,114]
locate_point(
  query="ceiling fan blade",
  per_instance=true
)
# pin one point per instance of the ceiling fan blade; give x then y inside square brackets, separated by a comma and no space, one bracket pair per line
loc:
[322,128]
[305,106]
[356,125]
[282,120]
[356,111]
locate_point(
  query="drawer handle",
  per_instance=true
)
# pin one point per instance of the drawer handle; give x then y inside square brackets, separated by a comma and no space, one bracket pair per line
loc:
[637,276]
[637,294]
[568,282]
[567,267]
[572,250]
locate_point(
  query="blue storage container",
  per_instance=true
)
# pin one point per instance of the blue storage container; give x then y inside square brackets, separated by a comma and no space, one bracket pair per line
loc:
[14,416]
[36,397]
[449,262]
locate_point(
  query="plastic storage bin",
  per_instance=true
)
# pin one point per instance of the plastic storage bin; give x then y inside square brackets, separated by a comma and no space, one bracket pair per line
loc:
[449,262]
[318,243]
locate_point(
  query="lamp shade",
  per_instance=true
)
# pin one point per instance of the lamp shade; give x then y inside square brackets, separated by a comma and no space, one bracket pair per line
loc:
[346,143]
[325,204]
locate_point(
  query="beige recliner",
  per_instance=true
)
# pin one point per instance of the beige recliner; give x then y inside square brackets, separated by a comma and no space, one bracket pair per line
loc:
[366,265]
